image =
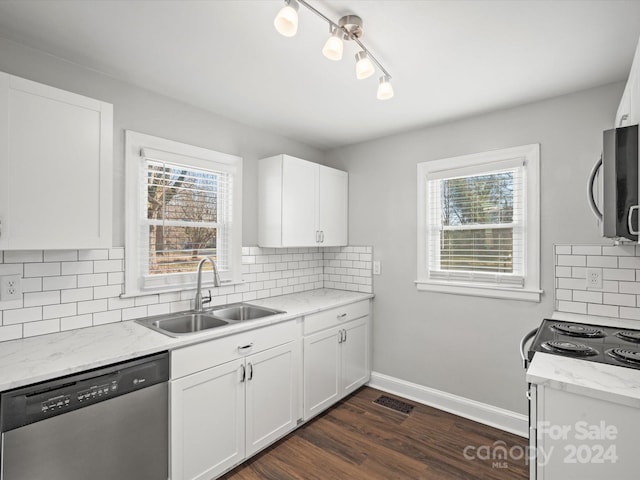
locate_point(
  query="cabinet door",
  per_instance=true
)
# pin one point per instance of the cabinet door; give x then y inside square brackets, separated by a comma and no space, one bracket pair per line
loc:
[56,166]
[355,356]
[271,395]
[299,202]
[207,422]
[321,371]
[333,209]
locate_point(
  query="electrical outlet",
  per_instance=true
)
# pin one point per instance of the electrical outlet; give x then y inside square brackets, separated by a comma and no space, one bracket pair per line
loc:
[376,268]
[594,278]
[10,288]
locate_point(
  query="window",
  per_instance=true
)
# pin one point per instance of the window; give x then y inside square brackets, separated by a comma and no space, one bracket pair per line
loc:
[479,224]
[183,203]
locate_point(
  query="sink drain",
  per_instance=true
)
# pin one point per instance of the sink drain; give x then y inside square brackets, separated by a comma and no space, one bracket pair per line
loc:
[394,404]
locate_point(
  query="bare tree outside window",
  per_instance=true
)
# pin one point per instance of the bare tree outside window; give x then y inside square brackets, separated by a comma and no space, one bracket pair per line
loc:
[477,219]
[183,216]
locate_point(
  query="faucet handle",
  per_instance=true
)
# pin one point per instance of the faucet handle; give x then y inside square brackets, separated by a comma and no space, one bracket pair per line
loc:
[207,299]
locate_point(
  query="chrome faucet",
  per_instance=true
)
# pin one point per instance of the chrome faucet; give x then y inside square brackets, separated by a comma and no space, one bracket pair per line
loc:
[216,283]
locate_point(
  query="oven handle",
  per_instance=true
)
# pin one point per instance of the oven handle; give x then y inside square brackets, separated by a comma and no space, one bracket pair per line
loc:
[523,346]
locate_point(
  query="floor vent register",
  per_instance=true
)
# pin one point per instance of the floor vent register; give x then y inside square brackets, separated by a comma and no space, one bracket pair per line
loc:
[394,404]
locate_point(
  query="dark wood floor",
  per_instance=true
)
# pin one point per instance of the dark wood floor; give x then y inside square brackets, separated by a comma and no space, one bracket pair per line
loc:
[359,440]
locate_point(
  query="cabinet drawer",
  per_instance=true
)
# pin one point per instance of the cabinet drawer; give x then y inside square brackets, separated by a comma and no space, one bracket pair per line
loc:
[188,360]
[335,316]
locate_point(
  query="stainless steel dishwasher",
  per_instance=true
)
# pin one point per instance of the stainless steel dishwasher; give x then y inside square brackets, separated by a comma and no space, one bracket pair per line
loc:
[105,424]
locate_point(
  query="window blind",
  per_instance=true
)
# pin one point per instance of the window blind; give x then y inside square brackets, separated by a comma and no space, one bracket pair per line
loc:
[476,224]
[186,214]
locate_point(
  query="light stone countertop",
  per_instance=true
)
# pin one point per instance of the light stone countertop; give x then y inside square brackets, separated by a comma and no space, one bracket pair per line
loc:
[596,380]
[35,359]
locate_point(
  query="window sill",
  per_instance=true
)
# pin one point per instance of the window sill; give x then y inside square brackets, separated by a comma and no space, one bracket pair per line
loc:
[187,287]
[480,291]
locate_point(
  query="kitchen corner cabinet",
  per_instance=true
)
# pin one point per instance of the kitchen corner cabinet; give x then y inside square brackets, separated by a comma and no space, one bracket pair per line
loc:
[629,109]
[336,355]
[56,162]
[301,204]
[231,397]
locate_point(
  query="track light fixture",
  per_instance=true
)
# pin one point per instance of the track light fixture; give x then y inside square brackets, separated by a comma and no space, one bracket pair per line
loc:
[286,21]
[348,27]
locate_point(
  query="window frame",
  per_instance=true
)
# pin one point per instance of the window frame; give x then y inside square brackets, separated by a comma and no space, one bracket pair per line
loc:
[530,156]
[137,282]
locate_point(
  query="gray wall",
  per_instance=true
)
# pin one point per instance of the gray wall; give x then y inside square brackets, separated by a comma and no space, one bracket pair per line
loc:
[144,111]
[419,335]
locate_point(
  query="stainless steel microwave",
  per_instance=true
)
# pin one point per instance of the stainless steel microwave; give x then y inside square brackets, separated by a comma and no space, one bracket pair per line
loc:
[618,210]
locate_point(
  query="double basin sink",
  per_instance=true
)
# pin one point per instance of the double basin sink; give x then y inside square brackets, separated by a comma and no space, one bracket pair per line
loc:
[187,323]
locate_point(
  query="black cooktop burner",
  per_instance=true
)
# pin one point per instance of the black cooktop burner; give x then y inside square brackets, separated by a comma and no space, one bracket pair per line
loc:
[578,330]
[589,343]
[625,355]
[629,335]
[569,348]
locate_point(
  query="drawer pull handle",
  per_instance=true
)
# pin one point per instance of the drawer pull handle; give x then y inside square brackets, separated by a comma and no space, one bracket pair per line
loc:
[341,316]
[245,347]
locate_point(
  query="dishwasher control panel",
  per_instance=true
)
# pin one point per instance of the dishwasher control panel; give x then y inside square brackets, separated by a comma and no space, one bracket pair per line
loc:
[37,402]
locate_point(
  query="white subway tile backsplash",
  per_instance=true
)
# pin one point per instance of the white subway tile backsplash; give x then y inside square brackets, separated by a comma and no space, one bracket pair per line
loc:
[92,280]
[572,260]
[77,268]
[101,318]
[98,254]
[41,327]
[60,310]
[101,266]
[21,315]
[20,256]
[618,274]
[608,262]
[619,250]
[79,321]
[60,255]
[92,306]
[620,293]
[10,332]
[71,289]
[587,297]
[59,283]
[629,262]
[586,250]
[602,310]
[630,313]
[49,269]
[41,298]
[76,295]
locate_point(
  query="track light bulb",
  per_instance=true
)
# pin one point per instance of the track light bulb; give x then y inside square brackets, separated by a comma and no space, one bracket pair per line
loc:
[385,89]
[286,21]
[364,66]
[334,46]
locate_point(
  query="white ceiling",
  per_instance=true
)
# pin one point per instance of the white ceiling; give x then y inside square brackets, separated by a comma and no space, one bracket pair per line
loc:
[448,59]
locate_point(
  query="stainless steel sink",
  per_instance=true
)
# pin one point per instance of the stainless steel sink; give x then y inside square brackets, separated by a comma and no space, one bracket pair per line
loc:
[178,324]
[188,323]
[242,312]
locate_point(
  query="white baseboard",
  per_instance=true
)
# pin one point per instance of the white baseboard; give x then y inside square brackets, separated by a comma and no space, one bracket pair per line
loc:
[507,420]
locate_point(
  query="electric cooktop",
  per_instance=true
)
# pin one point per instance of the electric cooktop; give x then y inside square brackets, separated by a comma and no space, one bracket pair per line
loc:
[593,343]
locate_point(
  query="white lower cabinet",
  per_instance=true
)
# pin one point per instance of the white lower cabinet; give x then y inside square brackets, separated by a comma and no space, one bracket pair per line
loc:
[226,413]
[233,396]
[336,359]
[577,436]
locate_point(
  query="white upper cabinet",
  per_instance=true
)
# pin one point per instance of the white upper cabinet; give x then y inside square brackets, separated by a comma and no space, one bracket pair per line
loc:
[301,204]
[629,109]
[56,168]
